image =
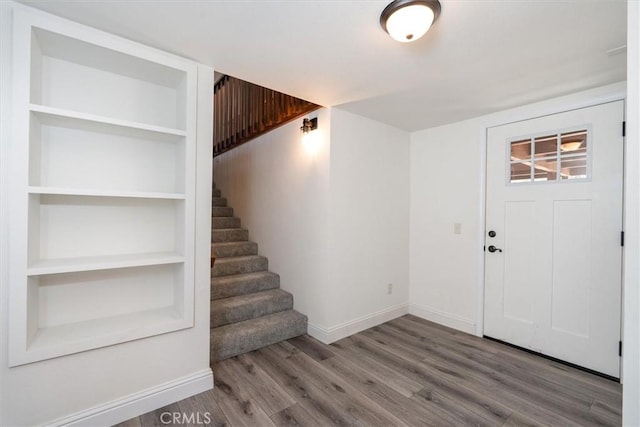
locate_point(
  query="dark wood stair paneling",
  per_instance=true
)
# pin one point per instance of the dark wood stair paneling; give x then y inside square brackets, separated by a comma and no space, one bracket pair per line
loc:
[243,111]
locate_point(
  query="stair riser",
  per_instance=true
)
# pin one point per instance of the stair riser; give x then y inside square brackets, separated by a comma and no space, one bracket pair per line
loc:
[229,235]
[221,268]
[221,212]
[226,250]
[222,287]
[219,202]
[226,222]
[228,343]
[215,193]
[221,316]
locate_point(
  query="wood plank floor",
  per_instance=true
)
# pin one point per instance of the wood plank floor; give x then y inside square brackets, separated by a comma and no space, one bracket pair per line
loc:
[405,372]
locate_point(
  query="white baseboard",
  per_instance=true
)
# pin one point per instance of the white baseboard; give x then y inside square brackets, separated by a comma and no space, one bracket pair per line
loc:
[335,333]
[140,403]
[443,318]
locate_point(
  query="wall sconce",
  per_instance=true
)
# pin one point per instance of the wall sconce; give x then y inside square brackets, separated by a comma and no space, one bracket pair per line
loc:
[309,124]
[408,20]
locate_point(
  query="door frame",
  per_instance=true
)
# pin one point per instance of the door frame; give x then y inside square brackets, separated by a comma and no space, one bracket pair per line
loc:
[616,92]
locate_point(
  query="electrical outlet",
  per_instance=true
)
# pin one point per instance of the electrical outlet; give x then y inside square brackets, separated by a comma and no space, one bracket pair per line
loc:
[390,288]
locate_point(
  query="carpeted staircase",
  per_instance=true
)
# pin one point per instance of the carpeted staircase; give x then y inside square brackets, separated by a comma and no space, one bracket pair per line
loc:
[248,308]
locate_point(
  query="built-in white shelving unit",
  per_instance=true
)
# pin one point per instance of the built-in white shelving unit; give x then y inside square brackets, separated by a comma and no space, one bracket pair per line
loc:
[103,162]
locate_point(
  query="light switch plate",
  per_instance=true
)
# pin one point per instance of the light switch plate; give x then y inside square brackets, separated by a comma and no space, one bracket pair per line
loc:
[457,228]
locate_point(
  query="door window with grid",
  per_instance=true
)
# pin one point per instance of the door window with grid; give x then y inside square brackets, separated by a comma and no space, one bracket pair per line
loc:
[560,156]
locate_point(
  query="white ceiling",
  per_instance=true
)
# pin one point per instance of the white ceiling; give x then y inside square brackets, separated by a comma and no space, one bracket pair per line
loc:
[481,56]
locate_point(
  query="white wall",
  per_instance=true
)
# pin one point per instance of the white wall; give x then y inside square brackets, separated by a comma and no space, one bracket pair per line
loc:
[447,187]
[631,338]
[110,384]
[369,224]
[279,188]
[332,217]
[445,170]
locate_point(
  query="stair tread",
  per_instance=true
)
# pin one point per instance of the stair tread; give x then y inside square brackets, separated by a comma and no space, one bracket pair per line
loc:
[242,242]
[219,202]
[240,277]
[241,284]
[229,235]
[233,249]
[227,228]
[221,212]
[252,298]
[246,325]
[249,306]
[239,265]
[233,259]
[237,338]
[224,222]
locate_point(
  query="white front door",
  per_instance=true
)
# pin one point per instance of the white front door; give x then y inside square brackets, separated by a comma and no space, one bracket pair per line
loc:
[553,235]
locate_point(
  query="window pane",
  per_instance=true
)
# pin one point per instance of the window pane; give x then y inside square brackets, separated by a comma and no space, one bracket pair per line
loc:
[520,172]
[552,157]
[521,150]
[545,169]
[574,142]
[546,146]
[573,167]
[520,158]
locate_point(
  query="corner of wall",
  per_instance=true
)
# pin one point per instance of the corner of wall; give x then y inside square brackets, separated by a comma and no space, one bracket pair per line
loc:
[353,326]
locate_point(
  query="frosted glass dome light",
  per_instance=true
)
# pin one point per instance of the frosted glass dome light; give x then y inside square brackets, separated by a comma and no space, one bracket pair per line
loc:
[408,20]
[410,23]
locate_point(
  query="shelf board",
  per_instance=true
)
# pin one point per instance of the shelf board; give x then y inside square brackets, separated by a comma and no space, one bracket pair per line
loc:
[61,191]
[71,338]
[63,117]
[116,61]
[106,262]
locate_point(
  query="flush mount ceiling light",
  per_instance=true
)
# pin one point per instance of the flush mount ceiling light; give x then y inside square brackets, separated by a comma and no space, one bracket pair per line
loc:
[408,20]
